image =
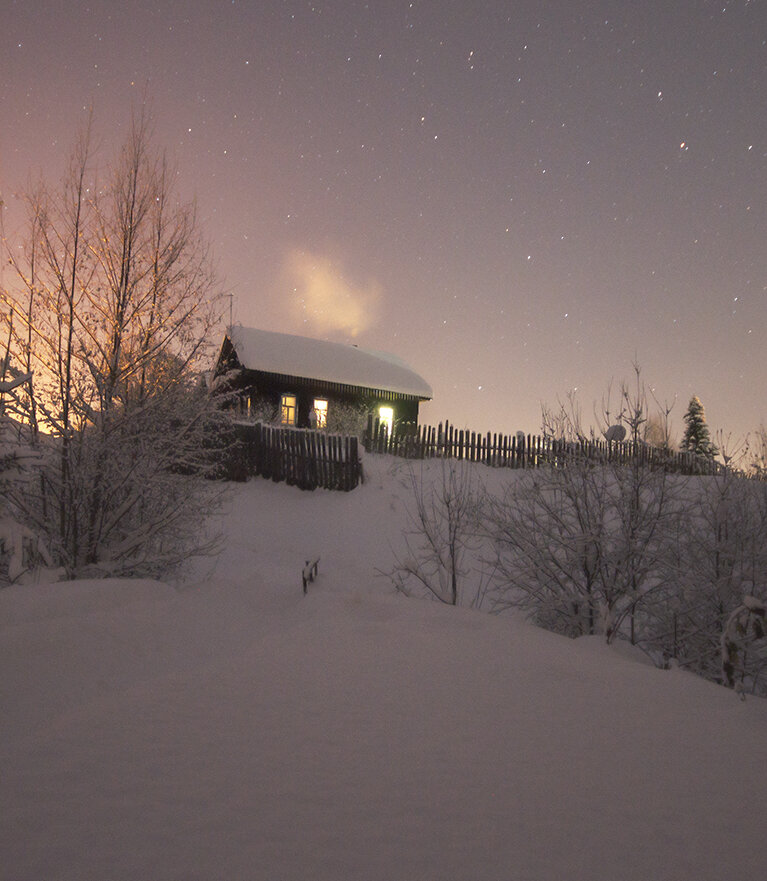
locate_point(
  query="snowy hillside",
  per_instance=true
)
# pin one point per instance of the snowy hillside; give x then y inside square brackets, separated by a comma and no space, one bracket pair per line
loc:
[232,728]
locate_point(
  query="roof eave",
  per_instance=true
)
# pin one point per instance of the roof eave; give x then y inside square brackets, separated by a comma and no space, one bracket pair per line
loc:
[332,385]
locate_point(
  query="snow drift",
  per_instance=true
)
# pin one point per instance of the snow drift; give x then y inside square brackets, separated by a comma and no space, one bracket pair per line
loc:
[232,728]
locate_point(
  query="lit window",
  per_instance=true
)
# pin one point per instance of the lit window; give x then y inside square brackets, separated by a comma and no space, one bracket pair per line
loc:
[386,417]
[321,413]
[288,410]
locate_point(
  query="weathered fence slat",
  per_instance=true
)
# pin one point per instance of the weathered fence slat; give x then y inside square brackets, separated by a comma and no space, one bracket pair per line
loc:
[300,457]
[525,451]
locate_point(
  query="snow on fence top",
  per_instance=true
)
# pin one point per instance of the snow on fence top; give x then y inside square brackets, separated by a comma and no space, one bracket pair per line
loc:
[319,359]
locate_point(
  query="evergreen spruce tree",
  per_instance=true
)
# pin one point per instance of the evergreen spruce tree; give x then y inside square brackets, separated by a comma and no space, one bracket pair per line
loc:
[696,435]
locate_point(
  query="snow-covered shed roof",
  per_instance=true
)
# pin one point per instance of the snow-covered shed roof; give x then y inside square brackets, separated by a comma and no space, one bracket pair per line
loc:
[308,358]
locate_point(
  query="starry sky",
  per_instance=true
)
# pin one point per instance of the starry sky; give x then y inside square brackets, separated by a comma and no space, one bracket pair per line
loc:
[518,198]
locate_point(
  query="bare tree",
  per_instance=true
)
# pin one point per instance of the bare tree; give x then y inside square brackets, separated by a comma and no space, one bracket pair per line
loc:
[441,557]
[115,301]
[732,450]
[756,457]
[631,410]
[657,431]
[565,421]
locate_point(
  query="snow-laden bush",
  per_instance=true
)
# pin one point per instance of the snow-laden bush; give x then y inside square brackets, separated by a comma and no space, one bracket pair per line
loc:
[744,646]
[23,554]
[719,554]
[633,553]
[112,304]
[580,548]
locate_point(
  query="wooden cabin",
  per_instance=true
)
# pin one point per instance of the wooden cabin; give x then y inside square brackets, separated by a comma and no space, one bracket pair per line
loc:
[309,383]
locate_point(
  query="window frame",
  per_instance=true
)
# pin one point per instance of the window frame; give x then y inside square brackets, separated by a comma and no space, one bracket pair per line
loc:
[321,412]
[388,419]
[286,408]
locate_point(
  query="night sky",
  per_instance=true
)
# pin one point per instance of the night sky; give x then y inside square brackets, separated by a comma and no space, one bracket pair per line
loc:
[518,198]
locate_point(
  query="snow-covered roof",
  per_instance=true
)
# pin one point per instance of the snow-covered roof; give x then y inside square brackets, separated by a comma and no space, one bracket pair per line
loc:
[307,358]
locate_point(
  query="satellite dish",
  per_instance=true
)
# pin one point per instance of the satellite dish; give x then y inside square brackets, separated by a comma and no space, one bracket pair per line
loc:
[615,433]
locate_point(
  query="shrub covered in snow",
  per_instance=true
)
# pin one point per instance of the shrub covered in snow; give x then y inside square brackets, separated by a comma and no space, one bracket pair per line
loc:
[112,304]
[744,646]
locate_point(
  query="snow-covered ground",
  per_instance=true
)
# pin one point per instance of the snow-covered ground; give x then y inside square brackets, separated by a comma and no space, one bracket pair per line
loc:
[233,728]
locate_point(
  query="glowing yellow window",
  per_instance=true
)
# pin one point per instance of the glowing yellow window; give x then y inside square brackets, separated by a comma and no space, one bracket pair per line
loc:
[320,413]
[288,410]
[386,417]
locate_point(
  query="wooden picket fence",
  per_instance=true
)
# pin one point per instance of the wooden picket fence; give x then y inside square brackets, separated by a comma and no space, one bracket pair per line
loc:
[523,451]
[300,457]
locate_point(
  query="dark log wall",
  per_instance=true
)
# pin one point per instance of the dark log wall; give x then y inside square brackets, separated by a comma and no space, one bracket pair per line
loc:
[264,392]
[307,459]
